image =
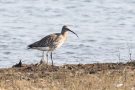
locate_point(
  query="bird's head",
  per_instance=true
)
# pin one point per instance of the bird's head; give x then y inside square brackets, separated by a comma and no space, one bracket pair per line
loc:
[65,29]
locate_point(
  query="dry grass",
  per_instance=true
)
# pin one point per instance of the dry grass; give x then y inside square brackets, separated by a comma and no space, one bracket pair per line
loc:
[69,77]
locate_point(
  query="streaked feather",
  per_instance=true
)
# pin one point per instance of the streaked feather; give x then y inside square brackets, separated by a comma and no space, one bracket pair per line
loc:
[52,41]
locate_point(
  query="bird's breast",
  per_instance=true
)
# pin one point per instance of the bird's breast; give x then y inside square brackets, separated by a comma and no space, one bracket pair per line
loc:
[58,44]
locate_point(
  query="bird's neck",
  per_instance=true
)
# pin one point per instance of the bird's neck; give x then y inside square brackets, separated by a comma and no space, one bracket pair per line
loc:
[65,34]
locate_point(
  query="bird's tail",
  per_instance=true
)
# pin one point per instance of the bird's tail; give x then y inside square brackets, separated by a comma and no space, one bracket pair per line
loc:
[29,46]
[32,45]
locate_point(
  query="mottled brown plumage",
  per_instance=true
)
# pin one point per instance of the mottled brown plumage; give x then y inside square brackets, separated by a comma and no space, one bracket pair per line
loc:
[51,42]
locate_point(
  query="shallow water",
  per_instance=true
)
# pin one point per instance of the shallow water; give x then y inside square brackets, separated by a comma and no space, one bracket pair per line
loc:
[106,29]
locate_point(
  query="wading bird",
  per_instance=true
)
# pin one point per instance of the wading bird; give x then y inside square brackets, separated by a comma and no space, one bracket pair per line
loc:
[51,42]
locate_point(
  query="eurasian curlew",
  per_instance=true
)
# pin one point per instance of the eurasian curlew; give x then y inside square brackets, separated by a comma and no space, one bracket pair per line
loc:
[51,42]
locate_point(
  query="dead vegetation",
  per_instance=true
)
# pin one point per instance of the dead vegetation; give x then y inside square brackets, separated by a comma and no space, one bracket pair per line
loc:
[105,76]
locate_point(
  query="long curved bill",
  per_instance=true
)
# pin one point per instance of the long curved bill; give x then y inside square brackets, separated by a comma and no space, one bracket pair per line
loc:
[73,32]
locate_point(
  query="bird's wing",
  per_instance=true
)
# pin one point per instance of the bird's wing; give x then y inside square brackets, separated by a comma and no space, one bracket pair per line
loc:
[47,41]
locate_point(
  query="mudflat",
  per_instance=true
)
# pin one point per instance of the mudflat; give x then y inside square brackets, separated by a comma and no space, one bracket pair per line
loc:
[98,76]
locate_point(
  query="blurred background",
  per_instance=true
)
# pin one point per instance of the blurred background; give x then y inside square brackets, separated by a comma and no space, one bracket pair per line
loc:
[106,29]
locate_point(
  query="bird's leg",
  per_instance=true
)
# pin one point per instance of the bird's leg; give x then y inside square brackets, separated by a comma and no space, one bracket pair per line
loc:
[51,59]
[47,57]
[42,60]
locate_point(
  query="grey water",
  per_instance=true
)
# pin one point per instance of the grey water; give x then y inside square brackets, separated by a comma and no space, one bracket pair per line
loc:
[106,30]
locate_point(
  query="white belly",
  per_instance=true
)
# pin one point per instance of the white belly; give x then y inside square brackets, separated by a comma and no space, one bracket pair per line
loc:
[42,48]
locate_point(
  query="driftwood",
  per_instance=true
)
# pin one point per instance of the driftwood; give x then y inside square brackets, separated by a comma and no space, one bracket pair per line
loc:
[18,64]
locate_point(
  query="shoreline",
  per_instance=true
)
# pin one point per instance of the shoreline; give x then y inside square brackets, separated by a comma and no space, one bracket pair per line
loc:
[98,76]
